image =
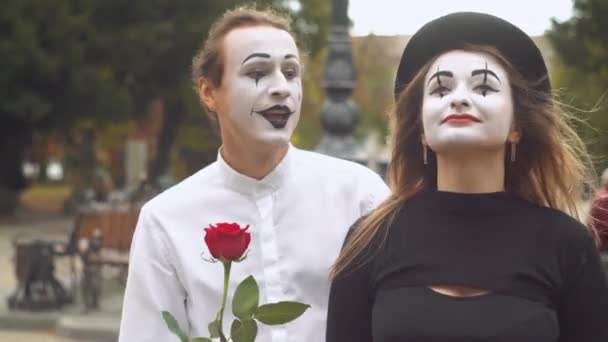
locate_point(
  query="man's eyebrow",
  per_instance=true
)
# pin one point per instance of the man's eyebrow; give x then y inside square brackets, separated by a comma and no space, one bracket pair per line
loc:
[288,56]
[485,72]
[257,54]
[440,73]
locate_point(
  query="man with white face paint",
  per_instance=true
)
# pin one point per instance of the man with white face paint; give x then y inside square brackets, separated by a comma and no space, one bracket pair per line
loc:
[298,204]
[260,94]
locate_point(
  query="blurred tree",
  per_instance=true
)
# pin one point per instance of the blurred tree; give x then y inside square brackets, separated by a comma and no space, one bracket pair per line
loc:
[376,60]
[149,45]
[581,45]
[67,62]
[46,80]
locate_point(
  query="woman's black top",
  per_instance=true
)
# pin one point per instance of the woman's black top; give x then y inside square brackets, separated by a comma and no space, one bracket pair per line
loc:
[539,269]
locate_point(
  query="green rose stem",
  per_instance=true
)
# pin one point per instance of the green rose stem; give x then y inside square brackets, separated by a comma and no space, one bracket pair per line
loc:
[227,264]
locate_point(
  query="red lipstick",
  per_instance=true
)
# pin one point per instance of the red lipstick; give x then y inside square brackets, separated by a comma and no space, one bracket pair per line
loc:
[463,118]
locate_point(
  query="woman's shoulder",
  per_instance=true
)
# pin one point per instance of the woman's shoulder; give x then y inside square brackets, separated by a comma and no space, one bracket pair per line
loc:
[567,231]
[375,241]
[362,223]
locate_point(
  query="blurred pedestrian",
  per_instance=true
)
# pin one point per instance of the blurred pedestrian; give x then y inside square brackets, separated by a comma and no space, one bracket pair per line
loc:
[598,211]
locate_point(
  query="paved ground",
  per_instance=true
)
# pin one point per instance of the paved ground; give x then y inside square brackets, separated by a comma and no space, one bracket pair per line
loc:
[8,336]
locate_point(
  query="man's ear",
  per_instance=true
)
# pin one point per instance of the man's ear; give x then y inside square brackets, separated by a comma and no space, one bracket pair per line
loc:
[206,91]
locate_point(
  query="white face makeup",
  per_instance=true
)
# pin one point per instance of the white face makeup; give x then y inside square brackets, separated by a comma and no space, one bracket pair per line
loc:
[261,91]
[467,103]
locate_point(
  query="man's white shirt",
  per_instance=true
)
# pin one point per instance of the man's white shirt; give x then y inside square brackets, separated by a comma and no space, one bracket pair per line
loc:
[298,215]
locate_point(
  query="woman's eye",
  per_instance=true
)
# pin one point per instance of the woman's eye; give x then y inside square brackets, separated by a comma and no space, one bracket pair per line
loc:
[484,89]
[441,91]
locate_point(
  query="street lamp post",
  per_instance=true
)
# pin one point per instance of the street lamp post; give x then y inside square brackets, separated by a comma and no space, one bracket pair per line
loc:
[339,114]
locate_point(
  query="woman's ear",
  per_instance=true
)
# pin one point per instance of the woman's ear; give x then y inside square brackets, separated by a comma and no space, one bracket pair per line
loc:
[514,136]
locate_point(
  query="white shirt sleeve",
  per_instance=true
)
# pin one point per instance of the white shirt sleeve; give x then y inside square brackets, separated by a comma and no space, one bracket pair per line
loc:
[152,286]
[374,190]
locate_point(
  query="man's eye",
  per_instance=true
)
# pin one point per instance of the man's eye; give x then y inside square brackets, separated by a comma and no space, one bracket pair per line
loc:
[484,89]
[290,73]
[256,74]
[441,91]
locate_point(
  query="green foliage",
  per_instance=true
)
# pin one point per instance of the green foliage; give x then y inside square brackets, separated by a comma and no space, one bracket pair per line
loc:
[376,61]
[582,71]
[45,70]
[214,329]
[581,41]
[244,331]
[9,200]
[246,299]
[280,313]
[308,132]
[174,326]
[311,24]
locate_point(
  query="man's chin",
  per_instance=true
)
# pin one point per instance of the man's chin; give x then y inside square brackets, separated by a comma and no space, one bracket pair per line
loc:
[276,139]
[278,123]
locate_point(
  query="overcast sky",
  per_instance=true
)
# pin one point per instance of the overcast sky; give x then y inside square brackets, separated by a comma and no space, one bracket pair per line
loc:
[390,17]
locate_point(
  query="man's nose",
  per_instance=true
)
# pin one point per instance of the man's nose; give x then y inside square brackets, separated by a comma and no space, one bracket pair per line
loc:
[280,87]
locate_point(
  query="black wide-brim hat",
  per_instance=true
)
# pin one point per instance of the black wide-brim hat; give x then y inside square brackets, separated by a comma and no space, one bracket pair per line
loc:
[450,32]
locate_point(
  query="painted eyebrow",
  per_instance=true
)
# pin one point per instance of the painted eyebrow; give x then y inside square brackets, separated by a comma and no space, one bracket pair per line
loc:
[485,72]
[253,55]
[440,73]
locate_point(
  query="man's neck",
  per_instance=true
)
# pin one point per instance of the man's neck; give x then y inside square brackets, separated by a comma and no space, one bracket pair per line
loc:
[255,162]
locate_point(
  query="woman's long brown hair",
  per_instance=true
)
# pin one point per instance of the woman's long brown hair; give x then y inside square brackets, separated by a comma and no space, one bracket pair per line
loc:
[551,169]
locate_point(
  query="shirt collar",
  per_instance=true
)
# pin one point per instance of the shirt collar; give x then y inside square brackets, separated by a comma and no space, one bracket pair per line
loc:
[248,185]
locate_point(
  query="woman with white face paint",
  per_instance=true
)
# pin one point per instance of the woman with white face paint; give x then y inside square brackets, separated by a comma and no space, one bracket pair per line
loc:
[298,204]
[475,242]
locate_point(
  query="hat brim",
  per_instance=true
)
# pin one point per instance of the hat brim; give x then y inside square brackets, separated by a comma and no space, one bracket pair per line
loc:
[450,32]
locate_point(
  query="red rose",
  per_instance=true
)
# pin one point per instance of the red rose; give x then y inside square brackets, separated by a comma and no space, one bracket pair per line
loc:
[227,240]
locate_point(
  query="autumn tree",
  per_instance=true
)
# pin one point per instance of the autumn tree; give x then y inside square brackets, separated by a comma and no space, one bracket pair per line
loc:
[581,45]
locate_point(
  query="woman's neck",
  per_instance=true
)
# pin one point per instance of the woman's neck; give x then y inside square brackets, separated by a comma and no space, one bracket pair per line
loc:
[476,172]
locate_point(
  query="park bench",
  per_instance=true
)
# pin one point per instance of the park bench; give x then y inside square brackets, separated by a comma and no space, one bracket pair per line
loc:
[114,226]
[102,237]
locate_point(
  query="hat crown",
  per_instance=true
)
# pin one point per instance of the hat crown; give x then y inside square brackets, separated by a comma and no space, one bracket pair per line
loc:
[451,31]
